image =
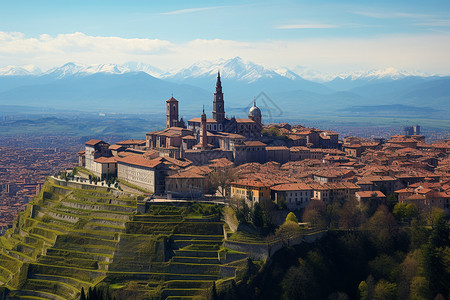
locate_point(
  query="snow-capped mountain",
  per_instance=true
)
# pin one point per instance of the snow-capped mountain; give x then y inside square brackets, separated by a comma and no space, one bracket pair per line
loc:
[20,71]
[235,68]
[285,72]
[350,80]
[146,68]
[75,69]
[387,73]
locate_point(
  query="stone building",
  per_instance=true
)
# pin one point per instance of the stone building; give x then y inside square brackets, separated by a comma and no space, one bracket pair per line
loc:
[93,150]
[295,195]
[148,174]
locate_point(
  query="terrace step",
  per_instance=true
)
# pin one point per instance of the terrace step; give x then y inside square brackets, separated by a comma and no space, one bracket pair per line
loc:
[52,287]
[179,284]
[158,218]
[79,240]
[23,294]
[78,254]
[196,253]
[181,292]
[179,244]
[98,206]
[69,262]
[76,273]
[189,268]
[102,200]
[100,227]
[27,249]
[106,221]
[19,255]
[68,280]
[27,298]
[195,260]
[191,237]
[98,234]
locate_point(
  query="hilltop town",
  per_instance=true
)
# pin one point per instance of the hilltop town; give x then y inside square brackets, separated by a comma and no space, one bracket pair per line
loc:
[196,210]
[285,164]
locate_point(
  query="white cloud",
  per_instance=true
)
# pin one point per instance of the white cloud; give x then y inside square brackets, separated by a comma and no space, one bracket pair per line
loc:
[306,26]
[189,10]
[428,53]
[392,15]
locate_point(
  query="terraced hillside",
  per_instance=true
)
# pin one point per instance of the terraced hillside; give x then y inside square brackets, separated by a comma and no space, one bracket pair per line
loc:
[74,238]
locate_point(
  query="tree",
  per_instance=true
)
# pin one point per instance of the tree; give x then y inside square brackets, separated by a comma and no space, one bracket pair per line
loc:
[371,205]
[419,288]
[315,213]
[436,256]
[82,294]
[220,180]
[366,288]
[291,217]
[418,234]
[257,215]
[409,269]
[411,211]
[299,283]
[385,290]
[399,211]
[288,230]
[383,266]
[382,228]
[333,213]
[350,215]
[213,291]
[243,213]
[391,201]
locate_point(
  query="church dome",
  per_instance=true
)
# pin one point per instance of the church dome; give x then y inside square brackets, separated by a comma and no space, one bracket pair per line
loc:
[254,111]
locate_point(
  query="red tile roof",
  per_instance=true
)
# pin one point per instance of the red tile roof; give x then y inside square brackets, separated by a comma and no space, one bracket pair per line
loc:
[368,194]
[131,142]
[114,147]
[138,160]
[254,144]
[105,160]
[298,186]
[93,142]
[244,121]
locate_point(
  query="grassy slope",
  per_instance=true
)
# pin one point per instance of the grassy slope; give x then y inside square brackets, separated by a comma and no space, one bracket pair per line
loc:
[140,251]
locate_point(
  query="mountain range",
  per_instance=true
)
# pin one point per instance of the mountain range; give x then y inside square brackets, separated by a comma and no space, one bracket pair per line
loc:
[139,87]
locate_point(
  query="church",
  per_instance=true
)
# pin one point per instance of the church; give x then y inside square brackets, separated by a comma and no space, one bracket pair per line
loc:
[218,132]
[250,128]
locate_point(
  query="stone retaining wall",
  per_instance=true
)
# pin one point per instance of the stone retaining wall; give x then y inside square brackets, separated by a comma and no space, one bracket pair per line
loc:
[263,251]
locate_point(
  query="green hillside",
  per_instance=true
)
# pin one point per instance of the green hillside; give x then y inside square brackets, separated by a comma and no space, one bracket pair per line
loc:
[73,238]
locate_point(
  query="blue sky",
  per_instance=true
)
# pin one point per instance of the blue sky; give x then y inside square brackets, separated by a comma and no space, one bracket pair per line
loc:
[328,36]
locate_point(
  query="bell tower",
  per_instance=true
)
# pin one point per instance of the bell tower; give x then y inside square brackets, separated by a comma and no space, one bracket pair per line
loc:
[218,104]
[172,112]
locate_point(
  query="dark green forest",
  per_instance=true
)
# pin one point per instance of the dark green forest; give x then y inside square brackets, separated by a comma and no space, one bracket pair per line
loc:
[372,251]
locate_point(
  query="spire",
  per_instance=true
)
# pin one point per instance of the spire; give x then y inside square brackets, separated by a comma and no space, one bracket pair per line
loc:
[218,104]
[218,83]
[203,108]
[254,102]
